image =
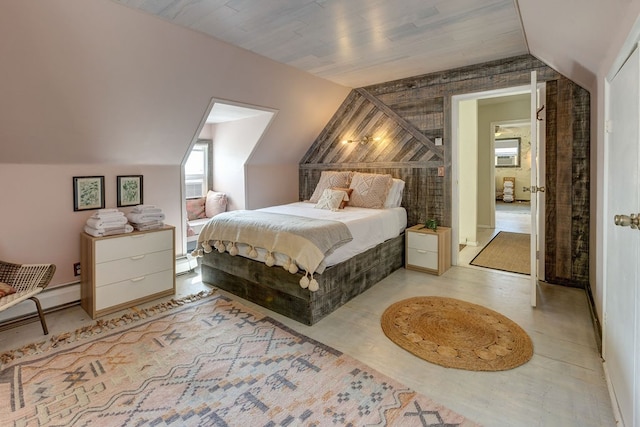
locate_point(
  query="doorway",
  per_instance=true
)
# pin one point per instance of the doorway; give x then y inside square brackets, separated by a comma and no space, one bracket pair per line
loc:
[502,123]
[511,171]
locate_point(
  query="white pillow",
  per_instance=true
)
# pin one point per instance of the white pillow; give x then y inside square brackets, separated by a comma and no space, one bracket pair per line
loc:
[331,199]
[330,179]
[370,190]
[394,198]
[216,203]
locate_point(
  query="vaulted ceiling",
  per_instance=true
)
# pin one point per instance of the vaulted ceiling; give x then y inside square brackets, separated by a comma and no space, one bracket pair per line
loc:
[128,81]
[356,42]
[360,42]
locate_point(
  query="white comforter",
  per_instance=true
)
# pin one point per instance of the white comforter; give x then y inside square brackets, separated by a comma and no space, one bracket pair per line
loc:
[369,227]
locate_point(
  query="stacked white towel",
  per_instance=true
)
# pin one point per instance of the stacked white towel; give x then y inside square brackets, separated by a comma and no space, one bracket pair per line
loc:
[146,217]
[507,193]
[107,222]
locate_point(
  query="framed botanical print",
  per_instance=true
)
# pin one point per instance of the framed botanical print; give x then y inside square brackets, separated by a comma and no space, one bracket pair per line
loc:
[129,190]
[88,192]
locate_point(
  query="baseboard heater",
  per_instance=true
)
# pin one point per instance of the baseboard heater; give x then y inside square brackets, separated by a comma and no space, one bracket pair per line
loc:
[61,297]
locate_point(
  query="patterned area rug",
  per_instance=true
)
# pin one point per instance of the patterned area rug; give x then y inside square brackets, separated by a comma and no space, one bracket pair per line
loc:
[457,334]
[209,362]
[507,251]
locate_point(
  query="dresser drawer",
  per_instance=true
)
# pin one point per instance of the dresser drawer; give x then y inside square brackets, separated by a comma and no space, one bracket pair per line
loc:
[127,246]
[425,242]
[428,250]
[132,267]
[422,258]
[130,290]
[125,270]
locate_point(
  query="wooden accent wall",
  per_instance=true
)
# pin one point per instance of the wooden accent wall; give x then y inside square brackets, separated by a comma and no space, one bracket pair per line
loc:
[408,115]
[567,183]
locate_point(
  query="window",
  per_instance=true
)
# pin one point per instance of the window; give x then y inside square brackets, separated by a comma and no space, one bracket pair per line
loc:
[196,171]
[507,152]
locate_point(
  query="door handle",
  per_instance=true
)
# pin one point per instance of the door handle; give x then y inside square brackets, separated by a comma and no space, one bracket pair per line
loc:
[533,189]
[632,220]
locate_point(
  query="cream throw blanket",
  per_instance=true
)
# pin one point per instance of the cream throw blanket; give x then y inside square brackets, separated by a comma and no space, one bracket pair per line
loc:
[306,241]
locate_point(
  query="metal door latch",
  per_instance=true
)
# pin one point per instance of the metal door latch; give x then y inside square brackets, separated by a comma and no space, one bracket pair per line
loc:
[533,189]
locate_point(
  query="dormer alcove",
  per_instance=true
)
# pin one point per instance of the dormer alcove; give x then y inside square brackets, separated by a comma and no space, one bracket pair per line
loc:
[225,140]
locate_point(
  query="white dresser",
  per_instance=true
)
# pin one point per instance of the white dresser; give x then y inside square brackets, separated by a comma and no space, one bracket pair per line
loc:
[123,270]
[428,250]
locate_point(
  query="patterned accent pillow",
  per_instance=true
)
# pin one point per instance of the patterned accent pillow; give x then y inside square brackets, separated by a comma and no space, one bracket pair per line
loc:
[369,190]
[345,200]
[331,199]
[330,179]
[195,208]
[6,290]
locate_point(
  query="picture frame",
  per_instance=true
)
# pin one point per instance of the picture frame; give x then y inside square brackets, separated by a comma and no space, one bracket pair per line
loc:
[129,190]
[88,193]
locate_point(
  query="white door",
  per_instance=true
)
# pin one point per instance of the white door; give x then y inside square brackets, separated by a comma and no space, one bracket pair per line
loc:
[620,345]
[534,191]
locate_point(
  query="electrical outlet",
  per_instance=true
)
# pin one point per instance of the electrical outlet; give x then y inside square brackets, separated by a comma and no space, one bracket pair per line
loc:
[76,269]
[440,170]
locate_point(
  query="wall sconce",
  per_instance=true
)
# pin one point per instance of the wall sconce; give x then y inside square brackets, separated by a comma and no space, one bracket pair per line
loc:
[365,140]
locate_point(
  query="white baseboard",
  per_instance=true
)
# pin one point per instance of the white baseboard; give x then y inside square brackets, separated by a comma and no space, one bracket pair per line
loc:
[612,396]
[185,264]
[62,295]
[49,298]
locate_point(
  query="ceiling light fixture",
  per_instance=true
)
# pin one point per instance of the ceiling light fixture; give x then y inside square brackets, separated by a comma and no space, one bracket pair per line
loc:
[365,140]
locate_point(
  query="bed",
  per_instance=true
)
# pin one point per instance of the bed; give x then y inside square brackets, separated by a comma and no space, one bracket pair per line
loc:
[375,249]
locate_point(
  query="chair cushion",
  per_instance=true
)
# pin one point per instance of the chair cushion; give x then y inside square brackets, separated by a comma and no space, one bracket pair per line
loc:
[6,290]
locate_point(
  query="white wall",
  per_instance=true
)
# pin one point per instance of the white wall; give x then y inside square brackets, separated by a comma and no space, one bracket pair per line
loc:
[109,84]
[233,143]
[468,171]
[271,185]
[91,87]
[37,220]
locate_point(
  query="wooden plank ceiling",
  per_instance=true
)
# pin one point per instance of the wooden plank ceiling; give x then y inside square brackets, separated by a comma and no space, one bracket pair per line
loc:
[357,42]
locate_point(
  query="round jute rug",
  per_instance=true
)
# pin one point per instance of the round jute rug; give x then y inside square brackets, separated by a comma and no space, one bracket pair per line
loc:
[457,334]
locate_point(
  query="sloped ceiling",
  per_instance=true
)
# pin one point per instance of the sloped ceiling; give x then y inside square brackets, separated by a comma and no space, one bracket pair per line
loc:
[115,81]
[357,42]
[578,38]
[361,42]
[92,81]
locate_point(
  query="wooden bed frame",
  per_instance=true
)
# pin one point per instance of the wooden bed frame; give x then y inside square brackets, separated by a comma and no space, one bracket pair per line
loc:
[280,291]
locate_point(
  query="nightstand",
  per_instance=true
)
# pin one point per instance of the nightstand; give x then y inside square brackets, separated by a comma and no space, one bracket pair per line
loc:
[428,250]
